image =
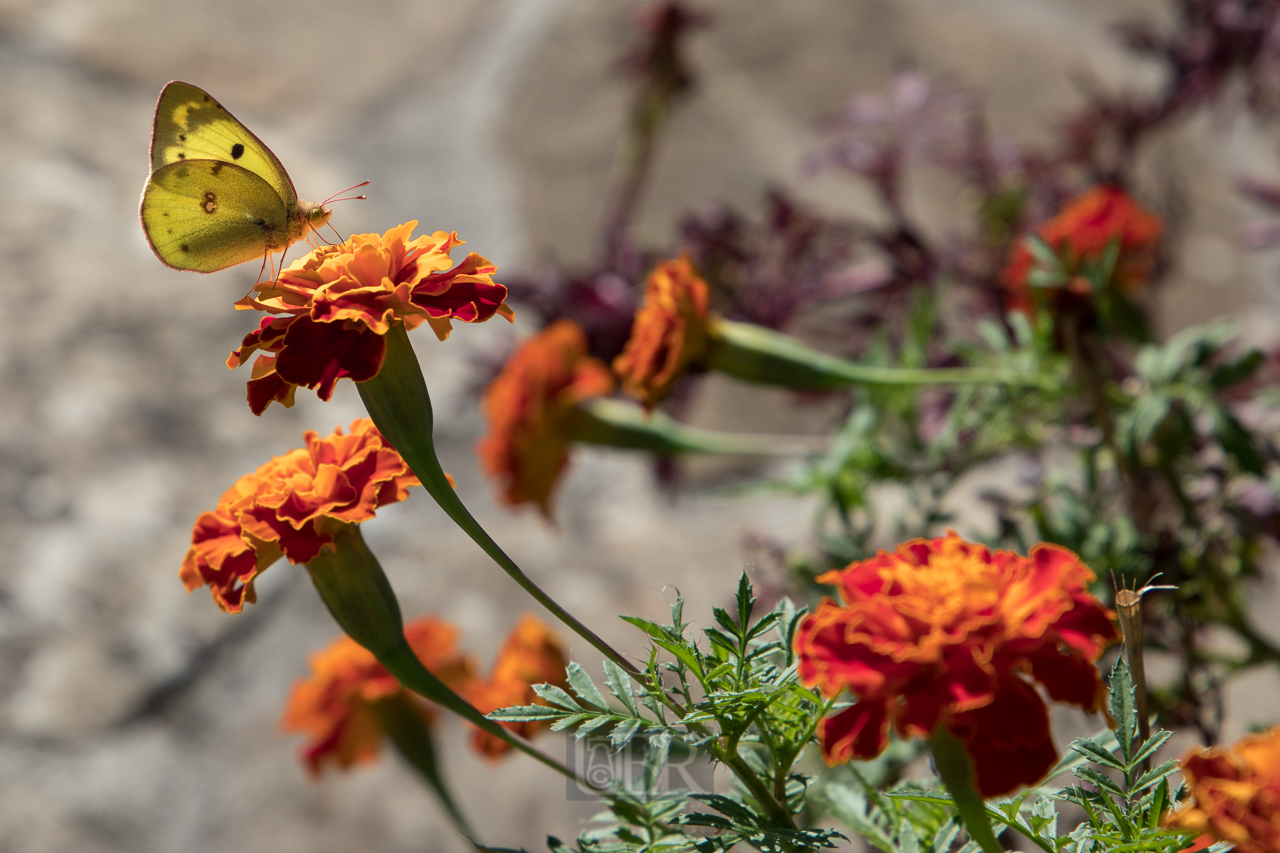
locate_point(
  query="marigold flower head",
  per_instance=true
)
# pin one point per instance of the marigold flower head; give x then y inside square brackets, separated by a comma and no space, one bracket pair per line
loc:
[669,332]
[1082,231]
[337,704]
[531,655]
[1235,793]
[331,308]
[291,507]
[943,632]
[529,407]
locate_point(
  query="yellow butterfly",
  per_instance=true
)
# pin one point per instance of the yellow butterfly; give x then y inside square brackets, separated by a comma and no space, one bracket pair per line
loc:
[217,196]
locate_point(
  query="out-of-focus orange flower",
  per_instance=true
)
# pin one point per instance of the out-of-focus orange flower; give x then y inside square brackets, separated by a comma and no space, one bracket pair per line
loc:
[669,332]
[291,507]
[529,407]
[333,306]
[1081,232]
[942,632]
[1235,793]
[336,705]
[531,655]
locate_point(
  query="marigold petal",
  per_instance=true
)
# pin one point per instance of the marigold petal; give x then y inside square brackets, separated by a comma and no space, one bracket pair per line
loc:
[1009,739]
[669,333]
[528,408]
[860,731]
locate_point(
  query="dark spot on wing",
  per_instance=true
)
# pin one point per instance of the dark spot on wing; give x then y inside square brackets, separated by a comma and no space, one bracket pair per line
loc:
[182,137]
[217,167]
[237,151]
[184,247]
[210,203]
[182,155]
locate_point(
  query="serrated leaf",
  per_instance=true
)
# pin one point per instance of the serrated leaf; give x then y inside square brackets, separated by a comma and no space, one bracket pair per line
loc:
[682,654]
[728,807]
[1123,710]
[653,629]
[1154,775]
[1153,743]
[946,836]
[521,713]
[746,601]
[1097,754]
[620,686]
[626,729]
[557,697]
[591,725]
[1101,781]
[564,722]
[585,687]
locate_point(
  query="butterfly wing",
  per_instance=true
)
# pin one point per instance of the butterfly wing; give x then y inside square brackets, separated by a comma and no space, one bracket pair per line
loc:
[191,125]
[207,215]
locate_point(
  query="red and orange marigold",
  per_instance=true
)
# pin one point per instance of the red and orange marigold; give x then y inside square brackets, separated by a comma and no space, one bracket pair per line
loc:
[531,655]
[946,633]
[1235,793]
[530,409]
[669,332]
[1081,232]
[291,507]
[336,706]
[332,308]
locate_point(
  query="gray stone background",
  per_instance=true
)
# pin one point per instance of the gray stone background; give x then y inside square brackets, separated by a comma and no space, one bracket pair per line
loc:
[135,717]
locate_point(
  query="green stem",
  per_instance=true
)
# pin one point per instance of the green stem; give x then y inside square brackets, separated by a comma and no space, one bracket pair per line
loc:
[956,771]
[615,423]
[400,406]
[354,588]
[756,354]
[412,737]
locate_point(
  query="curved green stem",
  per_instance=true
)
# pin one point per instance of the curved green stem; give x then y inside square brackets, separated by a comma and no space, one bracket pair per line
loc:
[400,406]
[354,588]
[615,423]
[756,354]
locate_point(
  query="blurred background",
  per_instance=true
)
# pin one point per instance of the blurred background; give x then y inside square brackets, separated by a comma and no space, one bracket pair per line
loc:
[136,717]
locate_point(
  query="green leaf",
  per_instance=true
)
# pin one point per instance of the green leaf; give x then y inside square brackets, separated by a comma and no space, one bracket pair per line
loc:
[557,697]
[521,713]
[746,602]
[626,730]
[585,687]
[1154,775]
[685,654]
[620,686]
[1153,743]
[1123,710]
[1097,754]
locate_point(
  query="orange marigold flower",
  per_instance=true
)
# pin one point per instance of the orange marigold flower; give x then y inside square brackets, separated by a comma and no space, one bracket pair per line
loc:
[333,306]
[291,507]
[942,632]
[531,655]
[1235,793]
[1082,231]
[337,704]
[529,407]
[669,332]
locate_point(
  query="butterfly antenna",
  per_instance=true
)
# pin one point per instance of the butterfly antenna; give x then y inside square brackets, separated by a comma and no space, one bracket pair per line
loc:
[338,195]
